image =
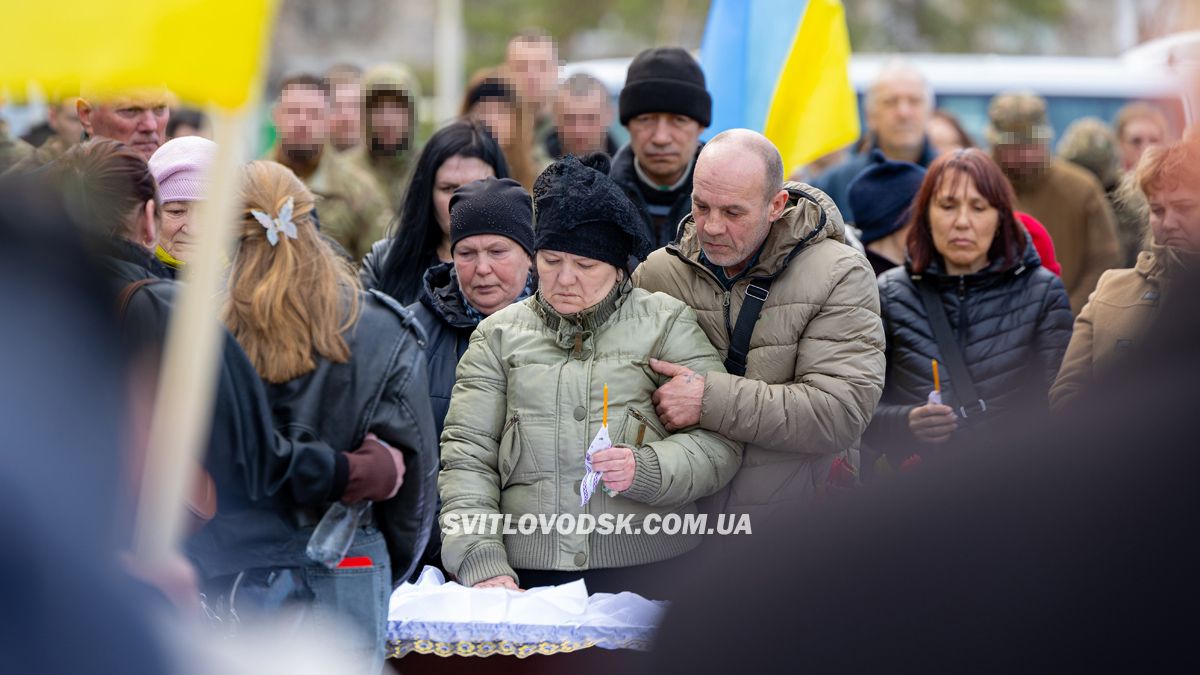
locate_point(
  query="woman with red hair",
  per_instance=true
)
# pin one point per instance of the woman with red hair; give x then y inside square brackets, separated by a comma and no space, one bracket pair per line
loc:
[1125,301]
[973,296]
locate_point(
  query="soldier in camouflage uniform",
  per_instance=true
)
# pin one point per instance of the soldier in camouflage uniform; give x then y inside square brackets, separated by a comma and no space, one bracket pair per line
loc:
[389,124]
[1067,199]
[351,209]
[1091,143]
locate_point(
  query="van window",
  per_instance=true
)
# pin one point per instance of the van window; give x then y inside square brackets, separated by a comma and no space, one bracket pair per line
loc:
[971,110]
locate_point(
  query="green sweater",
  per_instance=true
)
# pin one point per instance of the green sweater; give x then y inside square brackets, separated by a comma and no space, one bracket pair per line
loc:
[527,403]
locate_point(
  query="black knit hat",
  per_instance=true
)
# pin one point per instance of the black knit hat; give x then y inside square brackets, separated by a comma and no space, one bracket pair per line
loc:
[881,196]
[492,206]
[580,210]
[665,80]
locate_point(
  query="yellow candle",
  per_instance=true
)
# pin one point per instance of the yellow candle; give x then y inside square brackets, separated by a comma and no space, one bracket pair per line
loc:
[604,417]
[937,381]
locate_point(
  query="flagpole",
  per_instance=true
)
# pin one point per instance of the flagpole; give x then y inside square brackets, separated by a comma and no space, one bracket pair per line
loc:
[448,49]
[184,402]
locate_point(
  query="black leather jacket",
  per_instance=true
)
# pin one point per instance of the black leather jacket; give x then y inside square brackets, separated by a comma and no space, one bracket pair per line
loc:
[382,389]
[263,477]
[274,452]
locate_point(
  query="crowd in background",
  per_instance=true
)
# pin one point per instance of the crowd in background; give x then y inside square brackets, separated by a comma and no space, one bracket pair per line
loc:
[435,325]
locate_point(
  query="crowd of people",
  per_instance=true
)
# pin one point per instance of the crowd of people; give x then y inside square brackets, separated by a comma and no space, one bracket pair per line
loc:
[439,327]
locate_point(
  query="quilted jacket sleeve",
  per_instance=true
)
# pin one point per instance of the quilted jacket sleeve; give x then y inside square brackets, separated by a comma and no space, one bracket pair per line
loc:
[469,482]
[839,373]
[691,463]
[1053,331]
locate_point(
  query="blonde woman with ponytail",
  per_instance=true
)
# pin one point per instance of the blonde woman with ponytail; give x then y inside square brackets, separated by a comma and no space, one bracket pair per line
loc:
[347,367]
[291,300]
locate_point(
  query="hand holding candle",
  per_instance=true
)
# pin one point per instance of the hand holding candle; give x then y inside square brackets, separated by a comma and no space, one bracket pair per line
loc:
[935,396]
[933,422]
[615,464]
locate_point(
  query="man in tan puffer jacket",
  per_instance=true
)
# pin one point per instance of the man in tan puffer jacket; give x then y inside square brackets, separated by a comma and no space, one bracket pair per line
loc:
[815,367]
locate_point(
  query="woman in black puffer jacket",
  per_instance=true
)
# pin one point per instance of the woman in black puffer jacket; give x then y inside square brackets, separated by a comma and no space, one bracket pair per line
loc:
[491,242]
[1009,316]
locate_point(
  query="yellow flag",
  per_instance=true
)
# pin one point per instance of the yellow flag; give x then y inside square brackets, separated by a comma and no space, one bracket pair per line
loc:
[205,51]
[814,110]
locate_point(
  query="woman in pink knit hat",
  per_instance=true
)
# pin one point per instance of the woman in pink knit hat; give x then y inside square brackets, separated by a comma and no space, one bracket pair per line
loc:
[180,166]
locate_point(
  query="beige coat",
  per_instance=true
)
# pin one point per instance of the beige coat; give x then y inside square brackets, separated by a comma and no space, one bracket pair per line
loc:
[1070,202]
[816,364]
[1113,322]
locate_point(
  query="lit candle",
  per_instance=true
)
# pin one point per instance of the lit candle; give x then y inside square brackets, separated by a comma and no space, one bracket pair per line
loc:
[937,381]
[604,417]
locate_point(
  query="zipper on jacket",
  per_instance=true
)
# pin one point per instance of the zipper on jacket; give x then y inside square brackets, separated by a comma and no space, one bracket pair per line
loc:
[640,417]
[509,424]
[643,423]
[962,313]
[728,323]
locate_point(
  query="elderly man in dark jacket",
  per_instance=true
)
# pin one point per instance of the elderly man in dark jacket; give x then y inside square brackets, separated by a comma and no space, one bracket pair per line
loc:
[899,104]
[665,107]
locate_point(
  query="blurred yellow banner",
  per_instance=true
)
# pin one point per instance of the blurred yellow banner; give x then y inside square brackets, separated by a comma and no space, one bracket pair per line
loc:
[205,51]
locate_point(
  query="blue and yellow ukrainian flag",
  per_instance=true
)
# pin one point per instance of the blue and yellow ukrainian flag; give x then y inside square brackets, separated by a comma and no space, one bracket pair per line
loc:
[782,67]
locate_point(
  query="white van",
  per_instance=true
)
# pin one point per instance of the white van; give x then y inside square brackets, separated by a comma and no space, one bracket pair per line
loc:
[1073,87]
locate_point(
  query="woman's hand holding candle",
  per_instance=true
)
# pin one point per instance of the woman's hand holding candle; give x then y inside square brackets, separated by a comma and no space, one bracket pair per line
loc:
[618,466]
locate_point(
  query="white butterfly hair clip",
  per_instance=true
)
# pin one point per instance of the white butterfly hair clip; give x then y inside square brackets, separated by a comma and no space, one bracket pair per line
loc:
[274,226]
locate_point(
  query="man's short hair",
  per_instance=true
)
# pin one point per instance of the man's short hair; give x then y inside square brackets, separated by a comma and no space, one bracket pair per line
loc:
[1140,110]
[342,73]
[766,151]
[304,81]
[533,36]
[890,69]
[582,84]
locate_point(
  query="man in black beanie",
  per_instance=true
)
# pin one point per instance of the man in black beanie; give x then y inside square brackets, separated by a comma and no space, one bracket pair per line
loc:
[665,106]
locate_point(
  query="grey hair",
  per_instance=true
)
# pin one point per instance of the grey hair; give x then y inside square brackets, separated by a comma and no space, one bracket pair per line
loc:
[760,145]
[535,36]
[890,69]
[582,84]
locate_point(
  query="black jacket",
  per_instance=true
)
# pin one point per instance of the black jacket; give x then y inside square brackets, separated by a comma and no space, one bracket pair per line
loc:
[261,476]
[1012,322]
[625,175]
[383,389]
[371,273]
[443,314]
[835,182]
[273,454]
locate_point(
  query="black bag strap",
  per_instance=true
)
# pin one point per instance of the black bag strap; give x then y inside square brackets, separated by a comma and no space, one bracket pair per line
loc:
[739,342]
[964,386]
